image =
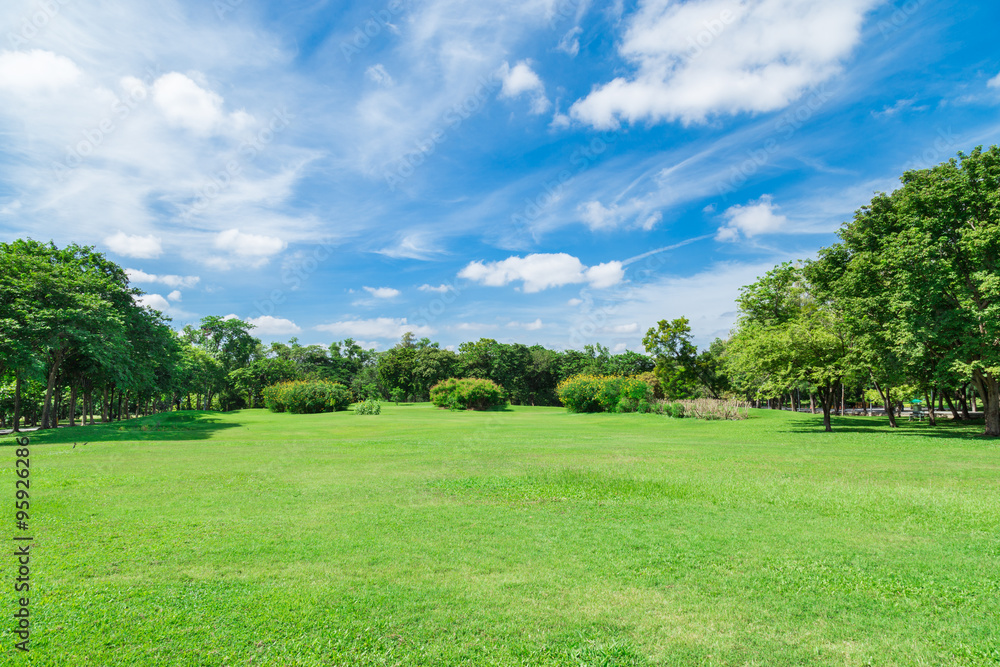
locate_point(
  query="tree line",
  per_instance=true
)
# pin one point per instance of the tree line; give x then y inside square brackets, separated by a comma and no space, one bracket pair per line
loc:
[76,346]
[906,304]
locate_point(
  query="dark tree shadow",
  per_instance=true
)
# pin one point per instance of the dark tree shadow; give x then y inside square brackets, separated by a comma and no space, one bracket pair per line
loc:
[170,426]
[945,428]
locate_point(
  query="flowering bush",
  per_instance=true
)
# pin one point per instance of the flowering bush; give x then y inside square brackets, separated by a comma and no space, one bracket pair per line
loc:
[604,393]
[305,397]
[468,394]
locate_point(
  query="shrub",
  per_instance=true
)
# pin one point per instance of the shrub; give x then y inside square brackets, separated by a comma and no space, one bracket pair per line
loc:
[307,396]
[602,393]
[468,394]
[627,404]
[706,408]
[368,407]
[655,387]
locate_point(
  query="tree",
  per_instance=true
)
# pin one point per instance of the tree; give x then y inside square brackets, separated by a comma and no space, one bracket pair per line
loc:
[682,371]
[786,336]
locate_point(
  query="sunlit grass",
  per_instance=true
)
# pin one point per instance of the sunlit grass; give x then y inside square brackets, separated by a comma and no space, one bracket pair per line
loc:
[531,536]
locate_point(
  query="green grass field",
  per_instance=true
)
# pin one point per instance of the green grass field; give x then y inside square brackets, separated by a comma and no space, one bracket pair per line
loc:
[525,537]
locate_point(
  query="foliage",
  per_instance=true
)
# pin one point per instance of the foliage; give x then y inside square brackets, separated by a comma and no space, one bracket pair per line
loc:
[307,397]
[369,406]
[468,394]
[681,370]
[601,393]
[712,409]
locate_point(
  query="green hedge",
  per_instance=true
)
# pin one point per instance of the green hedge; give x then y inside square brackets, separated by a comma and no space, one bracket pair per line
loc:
[468,394]
[307,396]
[604,393]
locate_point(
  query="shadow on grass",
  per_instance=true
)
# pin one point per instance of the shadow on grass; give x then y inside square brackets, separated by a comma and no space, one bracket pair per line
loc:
[184,425]
[945,428]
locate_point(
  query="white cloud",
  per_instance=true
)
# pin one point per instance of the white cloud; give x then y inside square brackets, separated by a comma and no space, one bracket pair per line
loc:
[380,328]
[994,82]
[415,245]
[713,57]
[599,217]
[623,328]
[521,79]
[570,43]
[542,271]
[274,326]
[382,292]
[574,302]
[527,326]
[154,301]
[137,276]
[440,289]
[186,104]
[249,245]
[174,296]
[140,247]
[751,220]
[378,74]
[473,326]
[34,71]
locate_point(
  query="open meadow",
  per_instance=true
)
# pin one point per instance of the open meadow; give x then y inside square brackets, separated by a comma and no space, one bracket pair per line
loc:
[525,537]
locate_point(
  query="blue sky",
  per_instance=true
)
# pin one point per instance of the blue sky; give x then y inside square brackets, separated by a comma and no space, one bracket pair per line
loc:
[553,171]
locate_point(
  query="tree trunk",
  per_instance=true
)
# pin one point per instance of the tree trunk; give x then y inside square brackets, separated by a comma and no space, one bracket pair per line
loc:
[951,406]
[812,403]
[17,402]
[886,403]
[931,417]
[72,405]
[827,395]
[843,397]
[992,405]
[50,387]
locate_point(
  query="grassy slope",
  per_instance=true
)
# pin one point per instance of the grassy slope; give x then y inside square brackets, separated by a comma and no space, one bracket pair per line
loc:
[530,537]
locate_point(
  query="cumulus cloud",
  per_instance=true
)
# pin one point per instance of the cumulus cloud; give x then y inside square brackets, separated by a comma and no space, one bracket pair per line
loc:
[175,295]
[542,271]
[382,292]
[994,82]
[632,327]
[137,276]
[274,326]
[752,219]
[249,245]
[186,104]
[711,57]
[140,247]
[520,80]
[154,301]
[380,328]
[34,71]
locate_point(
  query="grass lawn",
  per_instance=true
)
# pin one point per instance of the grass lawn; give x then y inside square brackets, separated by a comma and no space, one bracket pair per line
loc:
[526,537]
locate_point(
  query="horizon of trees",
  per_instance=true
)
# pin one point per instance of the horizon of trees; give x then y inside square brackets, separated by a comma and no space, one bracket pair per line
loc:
[906,304]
